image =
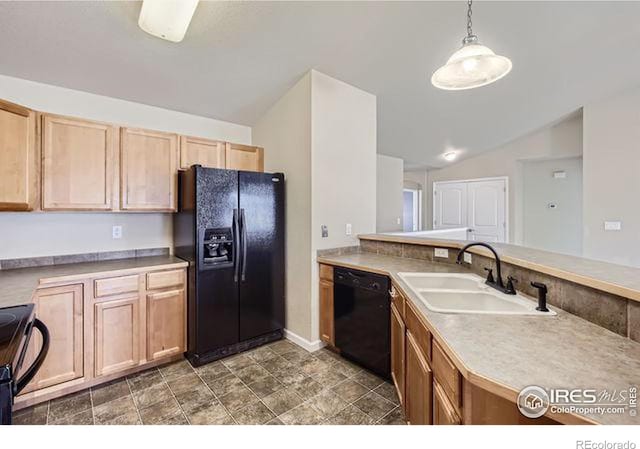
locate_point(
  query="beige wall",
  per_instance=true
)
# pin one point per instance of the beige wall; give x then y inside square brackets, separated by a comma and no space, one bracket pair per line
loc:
[389,206]
[561,140]
[42,234]
[286,130]
[612,178]
[322,135]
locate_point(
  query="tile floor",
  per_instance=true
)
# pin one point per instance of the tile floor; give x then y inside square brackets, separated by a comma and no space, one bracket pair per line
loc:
[280,383]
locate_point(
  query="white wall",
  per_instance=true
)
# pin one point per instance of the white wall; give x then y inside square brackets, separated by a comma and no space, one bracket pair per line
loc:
[612,178]
[286,130]
[558,228]
[561,140]
[389,205]
[343,168]
[322,135]
[40,234]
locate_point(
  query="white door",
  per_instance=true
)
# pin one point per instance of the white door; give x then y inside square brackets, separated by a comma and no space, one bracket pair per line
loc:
[486,210]
[450,205]
[478,205]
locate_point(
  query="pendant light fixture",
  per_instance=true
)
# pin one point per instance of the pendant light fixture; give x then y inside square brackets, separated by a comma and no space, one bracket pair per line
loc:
[473,65]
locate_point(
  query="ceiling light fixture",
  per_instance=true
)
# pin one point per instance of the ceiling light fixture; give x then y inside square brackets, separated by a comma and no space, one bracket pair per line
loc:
[167,19]
[450,155]
[473,65]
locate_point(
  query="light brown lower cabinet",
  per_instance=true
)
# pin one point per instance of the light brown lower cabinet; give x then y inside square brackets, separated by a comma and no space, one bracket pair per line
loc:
[61,309]
[165,324]
[326,312]
[398,330]
[105,327]
[116,335]
[419,382]
[444,412]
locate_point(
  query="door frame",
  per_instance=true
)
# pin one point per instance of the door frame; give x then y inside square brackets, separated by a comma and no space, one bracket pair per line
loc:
[491,178]
[417,205]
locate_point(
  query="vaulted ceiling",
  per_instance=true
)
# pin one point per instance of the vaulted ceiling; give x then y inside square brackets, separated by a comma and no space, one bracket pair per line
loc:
[238,58]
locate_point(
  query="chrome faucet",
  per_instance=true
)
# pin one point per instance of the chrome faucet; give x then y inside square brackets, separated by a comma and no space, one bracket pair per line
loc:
[498,284]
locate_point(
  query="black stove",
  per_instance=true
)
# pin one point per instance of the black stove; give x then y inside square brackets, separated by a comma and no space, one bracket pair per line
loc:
[16,326]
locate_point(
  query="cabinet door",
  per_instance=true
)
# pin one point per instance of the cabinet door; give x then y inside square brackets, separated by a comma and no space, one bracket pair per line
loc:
[397,352]
[244,157]
[61,310]
[148,170]
[77,164]
[326,312]
[418,388]
[117,335]
[443,411]
[208,153]
[165,324]
[18,158]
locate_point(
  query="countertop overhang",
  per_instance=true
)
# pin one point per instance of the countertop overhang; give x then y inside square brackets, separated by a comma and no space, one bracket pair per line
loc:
[612,278]
[504,354]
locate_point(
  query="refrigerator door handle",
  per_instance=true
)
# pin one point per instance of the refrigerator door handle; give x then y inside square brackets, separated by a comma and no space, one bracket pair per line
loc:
[243,225]
[236,245]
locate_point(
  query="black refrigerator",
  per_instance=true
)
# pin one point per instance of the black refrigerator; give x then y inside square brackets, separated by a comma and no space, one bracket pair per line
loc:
[230,228]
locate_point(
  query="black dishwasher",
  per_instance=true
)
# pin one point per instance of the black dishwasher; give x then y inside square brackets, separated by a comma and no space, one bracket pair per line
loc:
[361,319]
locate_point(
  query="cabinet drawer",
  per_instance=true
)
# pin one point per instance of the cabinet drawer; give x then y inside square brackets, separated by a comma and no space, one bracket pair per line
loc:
[447,375]
[397,300]
[418,329]
[115,286]
[444,413]
[163,279]
[326,272]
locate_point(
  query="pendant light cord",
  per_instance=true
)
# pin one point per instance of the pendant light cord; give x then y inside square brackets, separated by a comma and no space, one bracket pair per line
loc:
[469,23]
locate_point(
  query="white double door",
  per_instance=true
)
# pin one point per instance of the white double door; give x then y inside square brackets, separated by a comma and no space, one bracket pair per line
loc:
[478,205]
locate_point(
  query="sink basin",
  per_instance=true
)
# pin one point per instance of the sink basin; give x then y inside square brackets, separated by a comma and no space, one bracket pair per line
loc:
[466,293]
[438,281]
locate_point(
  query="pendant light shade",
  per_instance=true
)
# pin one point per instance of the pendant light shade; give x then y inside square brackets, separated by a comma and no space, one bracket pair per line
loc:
[473,65]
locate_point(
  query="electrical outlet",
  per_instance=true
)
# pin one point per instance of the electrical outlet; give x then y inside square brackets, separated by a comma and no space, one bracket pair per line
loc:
[348,229]
[116,232]
[467,257]
[398,220]
[325,231]
[441,252]
[612,225]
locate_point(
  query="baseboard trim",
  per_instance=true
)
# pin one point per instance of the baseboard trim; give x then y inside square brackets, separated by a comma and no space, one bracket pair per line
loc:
[310,346]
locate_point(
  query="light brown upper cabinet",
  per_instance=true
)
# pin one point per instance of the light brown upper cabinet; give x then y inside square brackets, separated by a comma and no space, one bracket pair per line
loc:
[208,153]
[244,157]
[77,164]
[148,170]
[18,158]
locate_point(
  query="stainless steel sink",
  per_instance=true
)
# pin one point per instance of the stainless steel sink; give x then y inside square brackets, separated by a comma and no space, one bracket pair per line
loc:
[466,293]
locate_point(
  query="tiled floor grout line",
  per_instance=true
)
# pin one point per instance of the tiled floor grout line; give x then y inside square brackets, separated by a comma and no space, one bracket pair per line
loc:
[48,409]
[248,387]
[93,415]
[164,379]
[211,389]
[387,414]
[126,379]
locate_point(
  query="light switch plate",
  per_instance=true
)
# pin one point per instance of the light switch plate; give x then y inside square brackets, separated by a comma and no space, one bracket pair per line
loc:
[612,225]
[348,229]
[116,232]
[441,252]
[467,257]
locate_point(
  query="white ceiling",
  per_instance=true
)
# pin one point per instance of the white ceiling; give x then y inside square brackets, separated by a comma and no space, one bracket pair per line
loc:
[238,58]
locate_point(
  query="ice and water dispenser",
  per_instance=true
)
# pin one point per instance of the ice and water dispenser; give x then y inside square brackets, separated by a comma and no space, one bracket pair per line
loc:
[217,248]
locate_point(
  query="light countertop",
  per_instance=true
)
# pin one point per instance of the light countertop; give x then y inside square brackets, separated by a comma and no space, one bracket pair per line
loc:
[561,351]
[17,286]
